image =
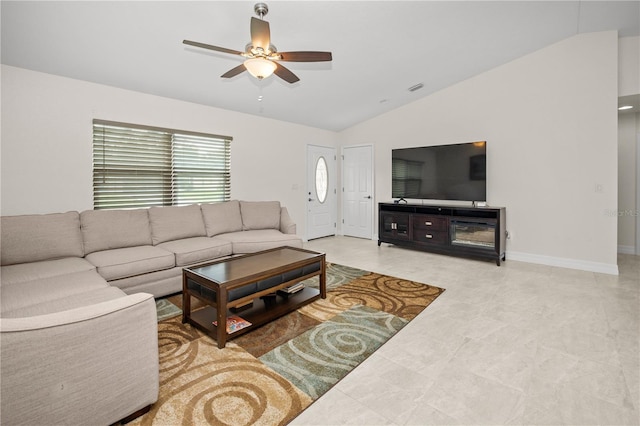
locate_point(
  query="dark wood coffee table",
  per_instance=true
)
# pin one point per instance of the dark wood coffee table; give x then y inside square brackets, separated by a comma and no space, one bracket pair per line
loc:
[237,281]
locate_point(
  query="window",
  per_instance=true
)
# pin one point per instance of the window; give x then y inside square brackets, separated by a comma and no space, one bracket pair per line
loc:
[322,180]
[139,166]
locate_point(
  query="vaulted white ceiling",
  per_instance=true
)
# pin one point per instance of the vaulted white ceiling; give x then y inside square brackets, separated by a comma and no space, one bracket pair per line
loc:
[380,49]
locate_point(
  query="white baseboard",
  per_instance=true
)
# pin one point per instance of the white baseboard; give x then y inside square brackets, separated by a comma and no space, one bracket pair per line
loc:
[626,249]
[583,265]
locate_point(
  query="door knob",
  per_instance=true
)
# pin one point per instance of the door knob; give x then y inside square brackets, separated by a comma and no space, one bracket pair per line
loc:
[368,196]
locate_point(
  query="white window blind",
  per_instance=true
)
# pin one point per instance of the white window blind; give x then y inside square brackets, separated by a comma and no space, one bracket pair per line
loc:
[139,166]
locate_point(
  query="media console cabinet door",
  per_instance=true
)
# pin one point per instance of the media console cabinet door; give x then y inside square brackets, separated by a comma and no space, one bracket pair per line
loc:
[394,225]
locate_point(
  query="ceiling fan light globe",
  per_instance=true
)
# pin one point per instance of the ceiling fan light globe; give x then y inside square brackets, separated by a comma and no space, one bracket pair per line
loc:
[259,67]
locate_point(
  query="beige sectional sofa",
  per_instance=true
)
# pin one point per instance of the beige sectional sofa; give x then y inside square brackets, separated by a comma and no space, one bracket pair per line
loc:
[145,250]
[78,326]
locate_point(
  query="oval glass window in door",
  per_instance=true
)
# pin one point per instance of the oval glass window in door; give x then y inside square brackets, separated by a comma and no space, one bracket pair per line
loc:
[322,180]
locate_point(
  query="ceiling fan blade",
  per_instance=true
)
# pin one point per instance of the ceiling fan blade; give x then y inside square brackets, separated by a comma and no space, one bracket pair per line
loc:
[285,74]
[234,71]
[305,56]
[211,47]
[260,34]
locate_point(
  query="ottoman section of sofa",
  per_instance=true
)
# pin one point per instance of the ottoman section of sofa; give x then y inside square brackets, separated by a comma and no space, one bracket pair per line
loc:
[94,364]
[190,251]
[131,261]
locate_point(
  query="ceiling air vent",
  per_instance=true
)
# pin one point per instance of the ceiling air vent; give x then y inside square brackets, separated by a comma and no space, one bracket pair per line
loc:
[416,87]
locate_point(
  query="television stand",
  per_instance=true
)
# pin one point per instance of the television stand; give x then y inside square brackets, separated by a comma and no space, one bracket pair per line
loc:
[463,231]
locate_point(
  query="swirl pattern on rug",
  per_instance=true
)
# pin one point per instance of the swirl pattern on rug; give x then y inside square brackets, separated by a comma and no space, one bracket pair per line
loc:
[201,384]
[315,360]
[337,275]
[395,296]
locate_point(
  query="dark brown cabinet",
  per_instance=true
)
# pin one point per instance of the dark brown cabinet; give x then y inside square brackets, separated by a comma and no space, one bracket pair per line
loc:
[394,225]
[430,229]
[465,231]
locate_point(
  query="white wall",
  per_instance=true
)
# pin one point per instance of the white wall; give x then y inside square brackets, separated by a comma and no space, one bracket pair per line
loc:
[47,143]
[550,119]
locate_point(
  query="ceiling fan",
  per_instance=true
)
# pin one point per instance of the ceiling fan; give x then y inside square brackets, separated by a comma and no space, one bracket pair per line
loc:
[261,56]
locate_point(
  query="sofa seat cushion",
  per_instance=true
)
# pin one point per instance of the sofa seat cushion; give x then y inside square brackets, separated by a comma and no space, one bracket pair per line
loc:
[159,283]
[260,239]
[23,272]
[189,251]
[62,304]
[20,295]
[127,262]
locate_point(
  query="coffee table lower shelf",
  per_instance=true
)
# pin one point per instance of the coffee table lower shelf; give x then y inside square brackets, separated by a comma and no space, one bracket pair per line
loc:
[262,312]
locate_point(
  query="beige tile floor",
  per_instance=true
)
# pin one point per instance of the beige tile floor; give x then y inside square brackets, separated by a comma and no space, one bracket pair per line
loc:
[517,344]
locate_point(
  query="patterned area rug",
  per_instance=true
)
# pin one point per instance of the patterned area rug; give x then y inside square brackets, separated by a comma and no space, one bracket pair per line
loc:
[268,376]
[166,309]
[317,359]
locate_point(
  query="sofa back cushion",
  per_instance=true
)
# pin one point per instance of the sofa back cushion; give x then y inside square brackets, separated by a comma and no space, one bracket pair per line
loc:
[221,218]
[260,215]
[176,222]
[32,238]
[111,229]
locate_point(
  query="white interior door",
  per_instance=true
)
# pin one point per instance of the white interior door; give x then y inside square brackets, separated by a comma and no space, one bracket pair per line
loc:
[321,191]
[357,191]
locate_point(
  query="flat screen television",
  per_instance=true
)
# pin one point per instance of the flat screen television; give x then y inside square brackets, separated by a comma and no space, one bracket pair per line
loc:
[441,172]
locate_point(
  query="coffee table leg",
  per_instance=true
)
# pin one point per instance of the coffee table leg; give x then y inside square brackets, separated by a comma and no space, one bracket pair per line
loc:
[186,300]
[222,317]
[323,280]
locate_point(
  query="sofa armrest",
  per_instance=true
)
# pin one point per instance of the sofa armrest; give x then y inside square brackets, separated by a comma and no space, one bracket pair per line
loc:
[287,226]
[91,365]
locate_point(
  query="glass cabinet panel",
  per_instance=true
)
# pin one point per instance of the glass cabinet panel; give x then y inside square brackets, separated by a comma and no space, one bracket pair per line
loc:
[473,234]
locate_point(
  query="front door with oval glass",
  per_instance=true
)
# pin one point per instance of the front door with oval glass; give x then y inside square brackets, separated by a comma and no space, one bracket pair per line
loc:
[321,191]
